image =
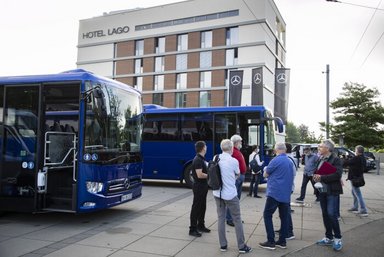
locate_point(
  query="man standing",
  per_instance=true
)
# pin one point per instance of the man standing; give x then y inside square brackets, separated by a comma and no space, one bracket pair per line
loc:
[329,194]
[279,186]
[309,168]
[255,175]
[200,190]
[226,198]
[237,144]
[356,167]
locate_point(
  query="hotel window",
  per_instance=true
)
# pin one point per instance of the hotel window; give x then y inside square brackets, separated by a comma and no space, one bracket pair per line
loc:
[205,79]
[138,66]
[231,57]
[139,47]
[206,59]
[158,99]
[160,45]
[159,64]
[181,100]
[205,99]
[158,84]
[181,61]
[232,37]
[182,42]
[138,83]
[181,81]
[206,39]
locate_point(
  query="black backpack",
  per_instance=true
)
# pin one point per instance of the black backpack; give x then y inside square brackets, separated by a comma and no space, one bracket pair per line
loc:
[254,165]
[214,174]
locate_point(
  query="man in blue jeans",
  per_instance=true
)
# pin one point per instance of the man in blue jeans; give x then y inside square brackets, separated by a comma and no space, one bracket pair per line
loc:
[279,187]
[330,191]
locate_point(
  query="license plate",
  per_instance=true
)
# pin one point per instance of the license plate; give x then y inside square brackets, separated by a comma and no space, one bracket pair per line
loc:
[126,197]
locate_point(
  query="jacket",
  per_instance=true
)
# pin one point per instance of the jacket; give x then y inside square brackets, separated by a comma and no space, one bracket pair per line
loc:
[355,166]
[332,181]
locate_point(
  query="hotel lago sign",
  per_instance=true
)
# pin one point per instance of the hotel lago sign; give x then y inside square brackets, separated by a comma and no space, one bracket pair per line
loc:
[104,33]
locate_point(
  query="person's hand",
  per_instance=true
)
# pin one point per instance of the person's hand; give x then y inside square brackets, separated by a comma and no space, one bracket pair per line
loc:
[316,178]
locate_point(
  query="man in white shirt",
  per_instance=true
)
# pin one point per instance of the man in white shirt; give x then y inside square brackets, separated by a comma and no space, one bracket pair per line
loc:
[226,197]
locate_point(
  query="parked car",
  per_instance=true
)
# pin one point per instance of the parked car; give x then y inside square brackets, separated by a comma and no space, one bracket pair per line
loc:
[345,153]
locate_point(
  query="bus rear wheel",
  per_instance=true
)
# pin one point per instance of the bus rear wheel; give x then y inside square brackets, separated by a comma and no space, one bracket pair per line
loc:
[188,178]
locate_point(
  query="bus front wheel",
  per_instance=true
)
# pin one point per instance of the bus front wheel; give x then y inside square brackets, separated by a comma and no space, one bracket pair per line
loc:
[188,179]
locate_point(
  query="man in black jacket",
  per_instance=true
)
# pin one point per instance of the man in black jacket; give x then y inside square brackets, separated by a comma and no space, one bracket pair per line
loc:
[329,194]
[356,167]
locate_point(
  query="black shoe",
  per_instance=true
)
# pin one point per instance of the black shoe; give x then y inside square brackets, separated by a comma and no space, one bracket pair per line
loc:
[256,196]
[223,248]
[194,233]
[245,249]
[281,245]
[249,195]
[203,229]
[299,200]
[230,223]
[277,231]
[267,245]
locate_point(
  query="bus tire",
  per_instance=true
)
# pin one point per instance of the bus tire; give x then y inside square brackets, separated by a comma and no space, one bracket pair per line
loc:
[188,179]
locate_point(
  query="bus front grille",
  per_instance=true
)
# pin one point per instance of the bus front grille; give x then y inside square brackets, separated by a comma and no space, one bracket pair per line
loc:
[121,185]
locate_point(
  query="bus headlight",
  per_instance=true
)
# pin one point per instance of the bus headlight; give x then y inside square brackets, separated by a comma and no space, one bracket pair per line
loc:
[94,187]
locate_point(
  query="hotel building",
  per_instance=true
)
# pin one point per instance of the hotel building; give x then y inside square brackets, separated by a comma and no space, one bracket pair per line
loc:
[180,54]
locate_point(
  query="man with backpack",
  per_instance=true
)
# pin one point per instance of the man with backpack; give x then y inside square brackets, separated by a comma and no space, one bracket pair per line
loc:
[200,190]
[255,165]
[226,198]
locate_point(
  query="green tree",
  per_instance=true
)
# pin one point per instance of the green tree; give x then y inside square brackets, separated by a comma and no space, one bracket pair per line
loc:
[292,133]
[358,116]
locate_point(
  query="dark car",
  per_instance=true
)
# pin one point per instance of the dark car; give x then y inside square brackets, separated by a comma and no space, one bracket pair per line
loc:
[345,153]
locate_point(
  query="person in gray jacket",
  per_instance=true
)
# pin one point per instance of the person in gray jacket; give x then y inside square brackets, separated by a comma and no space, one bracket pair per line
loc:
[310,162]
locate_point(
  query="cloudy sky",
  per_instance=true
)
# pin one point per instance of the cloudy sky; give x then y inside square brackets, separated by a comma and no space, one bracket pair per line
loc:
[40,36]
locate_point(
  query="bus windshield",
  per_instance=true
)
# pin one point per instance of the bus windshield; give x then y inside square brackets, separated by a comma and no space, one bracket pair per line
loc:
[113,125]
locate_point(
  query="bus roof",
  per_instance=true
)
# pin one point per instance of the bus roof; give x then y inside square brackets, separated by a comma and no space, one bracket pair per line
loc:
[152,108]
[71,75]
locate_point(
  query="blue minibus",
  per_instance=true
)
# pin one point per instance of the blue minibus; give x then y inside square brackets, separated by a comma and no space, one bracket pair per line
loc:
[69,142]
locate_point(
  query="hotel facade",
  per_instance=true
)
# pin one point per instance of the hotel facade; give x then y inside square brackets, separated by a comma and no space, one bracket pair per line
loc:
[181,54]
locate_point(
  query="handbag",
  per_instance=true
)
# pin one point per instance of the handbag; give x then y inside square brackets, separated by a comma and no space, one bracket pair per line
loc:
[358,181]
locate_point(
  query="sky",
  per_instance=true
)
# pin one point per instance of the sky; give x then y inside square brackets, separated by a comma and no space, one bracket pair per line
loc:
[40,37]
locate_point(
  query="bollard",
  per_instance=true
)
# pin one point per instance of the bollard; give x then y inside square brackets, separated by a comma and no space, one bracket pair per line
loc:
[378,166]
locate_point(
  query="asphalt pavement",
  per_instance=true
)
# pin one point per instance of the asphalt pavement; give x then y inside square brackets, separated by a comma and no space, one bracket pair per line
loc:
[157,225]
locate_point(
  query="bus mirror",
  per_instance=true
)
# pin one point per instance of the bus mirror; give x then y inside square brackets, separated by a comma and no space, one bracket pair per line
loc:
[100,101]
[279,124]
[98,93]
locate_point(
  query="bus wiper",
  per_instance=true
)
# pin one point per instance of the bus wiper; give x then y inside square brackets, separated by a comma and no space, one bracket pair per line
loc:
[95,147]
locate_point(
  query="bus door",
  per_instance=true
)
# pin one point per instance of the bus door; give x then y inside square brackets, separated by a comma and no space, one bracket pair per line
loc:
[225,127]
[59,164]
[19,147]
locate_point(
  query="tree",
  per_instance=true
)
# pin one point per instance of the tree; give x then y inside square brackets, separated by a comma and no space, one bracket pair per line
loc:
[358,116]
[306,136]
[292,133]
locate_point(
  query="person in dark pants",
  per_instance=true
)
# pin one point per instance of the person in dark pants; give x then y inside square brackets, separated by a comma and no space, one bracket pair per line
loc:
[330,189]
[200,190]
[279,187]
[255,175]
[309,168]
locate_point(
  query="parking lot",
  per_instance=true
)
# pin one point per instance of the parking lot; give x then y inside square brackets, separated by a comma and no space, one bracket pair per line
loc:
[157,225]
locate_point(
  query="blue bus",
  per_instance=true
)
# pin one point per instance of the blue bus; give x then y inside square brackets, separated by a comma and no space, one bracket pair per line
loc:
[169,135]
[69,142]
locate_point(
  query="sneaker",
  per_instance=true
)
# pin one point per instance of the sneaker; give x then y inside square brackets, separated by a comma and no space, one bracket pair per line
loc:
[194,233]
[245,249]
[362,214]
[337,244]
[203,229]
[268,245]
[257,196]
[290,237]
[325,241]
[230,223]
[223,248]
[352,209]
[277,231]
[281,245]
[299,200]
[356,212]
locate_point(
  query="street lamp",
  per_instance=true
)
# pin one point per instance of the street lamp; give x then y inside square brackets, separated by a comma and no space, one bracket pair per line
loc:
[327,100]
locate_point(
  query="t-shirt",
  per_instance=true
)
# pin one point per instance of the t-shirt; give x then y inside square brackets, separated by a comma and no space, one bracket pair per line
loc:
[199,163]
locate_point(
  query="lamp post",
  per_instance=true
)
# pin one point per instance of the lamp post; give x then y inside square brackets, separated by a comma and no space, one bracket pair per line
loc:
[327,102]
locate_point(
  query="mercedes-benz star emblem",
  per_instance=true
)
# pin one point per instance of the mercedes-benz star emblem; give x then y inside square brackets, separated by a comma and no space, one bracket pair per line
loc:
[257,78]
[235,80]
[281,78]
[126,183]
